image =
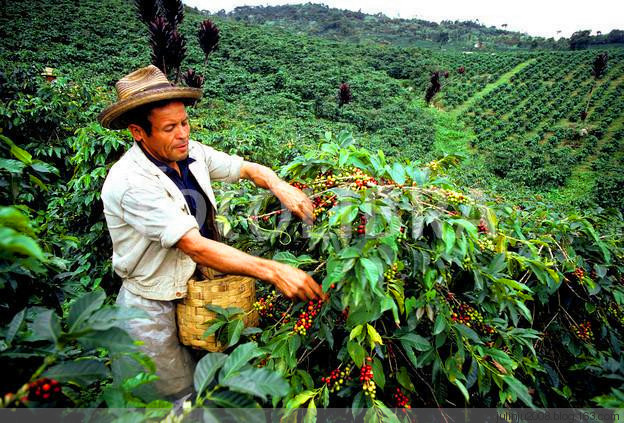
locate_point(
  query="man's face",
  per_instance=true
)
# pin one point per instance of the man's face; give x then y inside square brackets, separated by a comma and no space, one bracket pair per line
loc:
[169,139]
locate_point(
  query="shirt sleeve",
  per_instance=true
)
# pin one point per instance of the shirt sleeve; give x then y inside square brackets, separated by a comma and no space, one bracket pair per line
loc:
[221,166]
[154,214]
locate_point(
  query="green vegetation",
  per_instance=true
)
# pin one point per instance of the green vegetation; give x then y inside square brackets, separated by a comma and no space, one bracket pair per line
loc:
[462,242]
[346,25]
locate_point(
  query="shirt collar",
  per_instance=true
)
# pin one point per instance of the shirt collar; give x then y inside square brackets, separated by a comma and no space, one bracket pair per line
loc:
[182,164]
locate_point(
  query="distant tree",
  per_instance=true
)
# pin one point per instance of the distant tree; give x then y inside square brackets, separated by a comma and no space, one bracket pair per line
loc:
[442,38]
[208,36]
[504,25]
[598,69]
[580,39]
[615,36]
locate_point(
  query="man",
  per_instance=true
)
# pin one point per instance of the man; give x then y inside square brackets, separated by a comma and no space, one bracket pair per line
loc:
[159,208]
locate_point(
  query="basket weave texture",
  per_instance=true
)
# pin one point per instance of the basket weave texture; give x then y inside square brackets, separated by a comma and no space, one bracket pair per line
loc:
[221,290]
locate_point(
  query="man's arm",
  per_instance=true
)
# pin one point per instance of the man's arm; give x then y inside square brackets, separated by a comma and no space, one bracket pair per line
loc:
[292,198]
[289,280]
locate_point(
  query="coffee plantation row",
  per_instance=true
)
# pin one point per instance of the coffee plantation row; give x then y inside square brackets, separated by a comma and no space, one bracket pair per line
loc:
[443,292]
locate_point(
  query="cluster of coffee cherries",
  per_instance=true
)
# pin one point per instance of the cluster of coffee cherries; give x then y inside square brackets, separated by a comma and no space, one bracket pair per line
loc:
[584,331]
[266,306]
[454,197]
[359,179]
[323,203]
[324,181]
[580,276]
[361,228]
[337,378]
[469,316]
[366,377]
[307,316]
[486,244]
[616,313]
[390,274]
[400,399]
[482,227]
[44,390]
[299,185]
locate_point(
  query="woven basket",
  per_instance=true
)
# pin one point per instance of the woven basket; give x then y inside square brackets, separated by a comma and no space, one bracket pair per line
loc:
[217,289]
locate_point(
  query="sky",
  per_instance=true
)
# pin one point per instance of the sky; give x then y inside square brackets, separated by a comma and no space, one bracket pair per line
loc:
[534,17]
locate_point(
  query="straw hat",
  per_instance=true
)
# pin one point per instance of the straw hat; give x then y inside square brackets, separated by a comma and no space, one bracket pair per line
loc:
[141,87]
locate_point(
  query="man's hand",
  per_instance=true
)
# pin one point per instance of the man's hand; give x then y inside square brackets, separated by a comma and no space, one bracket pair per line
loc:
[294,282]
[295,200]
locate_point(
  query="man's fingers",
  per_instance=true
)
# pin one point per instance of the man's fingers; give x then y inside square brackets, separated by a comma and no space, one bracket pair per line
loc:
[317,289]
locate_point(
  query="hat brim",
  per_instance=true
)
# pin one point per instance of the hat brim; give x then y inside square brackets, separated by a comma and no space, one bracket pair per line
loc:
[112,116]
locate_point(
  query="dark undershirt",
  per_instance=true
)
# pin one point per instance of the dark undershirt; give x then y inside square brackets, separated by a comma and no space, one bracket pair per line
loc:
[200,206]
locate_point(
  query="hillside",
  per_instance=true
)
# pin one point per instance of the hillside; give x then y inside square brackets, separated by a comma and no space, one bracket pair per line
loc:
[266,84]
[347,25]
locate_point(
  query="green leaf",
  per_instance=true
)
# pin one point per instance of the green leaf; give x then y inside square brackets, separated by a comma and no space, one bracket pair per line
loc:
[206,370]
[83,307]
[258,382]
[416,341]
[466,332]
[47,326]
[310,416]
[519,389]
[16,323]
[300,399]
[113,339]
[292,260]
[405,380]
[463,389]
[355,332]
[440,324]
[12,166]
[81,372]
[43,167]
[212,329]
[373,336]
[448,235]
[357,353]
[20,154]
[234,329]
[378,373]
[238,358]
[372,270]
[230,399]
[344,215]
[14,242]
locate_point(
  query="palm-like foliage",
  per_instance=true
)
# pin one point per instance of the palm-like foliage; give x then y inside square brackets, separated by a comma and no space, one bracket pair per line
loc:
[434,87]
[176,51]
[159,34]
[193,79]
[147,10]
[173,11]
[344,94]
[208,36]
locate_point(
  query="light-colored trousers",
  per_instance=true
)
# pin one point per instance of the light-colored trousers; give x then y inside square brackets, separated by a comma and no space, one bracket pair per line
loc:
[159,334]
